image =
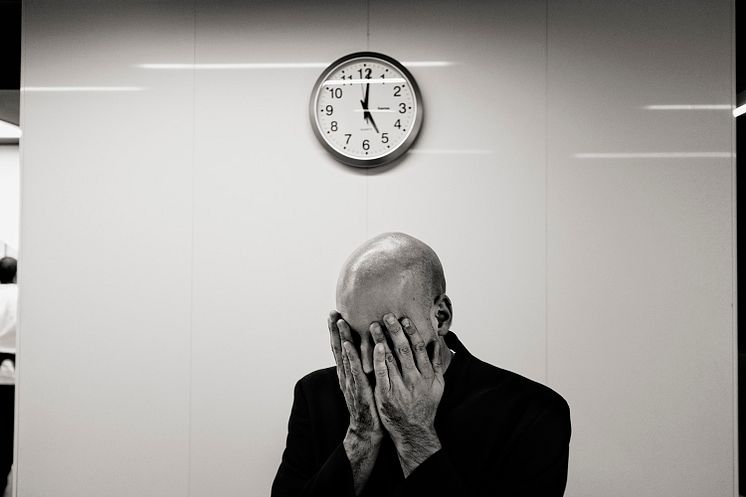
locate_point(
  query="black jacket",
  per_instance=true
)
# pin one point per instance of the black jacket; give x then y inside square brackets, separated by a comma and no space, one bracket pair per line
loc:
[501,435]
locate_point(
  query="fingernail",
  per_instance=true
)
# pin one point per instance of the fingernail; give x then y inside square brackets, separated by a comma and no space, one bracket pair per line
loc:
[390,319]
[346,345]
[405,322]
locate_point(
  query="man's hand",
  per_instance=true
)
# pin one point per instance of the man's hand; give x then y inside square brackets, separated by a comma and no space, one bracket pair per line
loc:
[407,400]
[363,438]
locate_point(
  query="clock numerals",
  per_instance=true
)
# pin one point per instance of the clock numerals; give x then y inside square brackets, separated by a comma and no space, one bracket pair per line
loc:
[397,91]
[366,71]
[402,108]
[329,110]
[384,137]
[366,145]
[335,92]
[334,126]
[397,124]
[348,135]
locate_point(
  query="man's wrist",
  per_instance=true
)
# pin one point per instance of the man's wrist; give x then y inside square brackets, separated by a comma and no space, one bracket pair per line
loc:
[360,445]
[358,436]
[362,451]
[416,447]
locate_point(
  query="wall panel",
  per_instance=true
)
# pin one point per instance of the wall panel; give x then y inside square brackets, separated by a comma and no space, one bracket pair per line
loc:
[640,266]
[274,218]
[106,235]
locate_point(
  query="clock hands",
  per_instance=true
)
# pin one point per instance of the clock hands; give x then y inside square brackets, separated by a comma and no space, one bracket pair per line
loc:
[364,101]
[370,118]
[367,116]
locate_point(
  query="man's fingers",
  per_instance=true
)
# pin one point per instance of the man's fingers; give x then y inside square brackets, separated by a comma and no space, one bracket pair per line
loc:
[379,366]
[346,365]
[376,332]
[419,348]
[437,359]
[356,368]
[344,330]
[393,370]
[401,344]
[336,344]
[366,351]
[336,347]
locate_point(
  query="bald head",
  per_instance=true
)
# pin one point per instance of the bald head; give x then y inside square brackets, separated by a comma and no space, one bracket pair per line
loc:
[397,273]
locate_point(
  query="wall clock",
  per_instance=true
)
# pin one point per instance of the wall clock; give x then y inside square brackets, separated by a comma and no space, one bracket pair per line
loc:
[366,109]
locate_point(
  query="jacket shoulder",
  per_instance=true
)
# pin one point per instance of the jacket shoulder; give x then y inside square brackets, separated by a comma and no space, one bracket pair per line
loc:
[540,398]
[321,380]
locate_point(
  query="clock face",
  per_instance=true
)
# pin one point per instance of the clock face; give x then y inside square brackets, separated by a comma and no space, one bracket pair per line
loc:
[366,109]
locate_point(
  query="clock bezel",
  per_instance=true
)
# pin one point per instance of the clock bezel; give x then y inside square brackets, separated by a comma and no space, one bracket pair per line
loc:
[390,156]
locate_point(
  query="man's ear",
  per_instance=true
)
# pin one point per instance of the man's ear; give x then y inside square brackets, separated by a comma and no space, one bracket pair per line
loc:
[441,314]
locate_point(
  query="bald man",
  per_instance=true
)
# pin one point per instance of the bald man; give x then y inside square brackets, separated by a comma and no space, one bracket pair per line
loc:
[407,410]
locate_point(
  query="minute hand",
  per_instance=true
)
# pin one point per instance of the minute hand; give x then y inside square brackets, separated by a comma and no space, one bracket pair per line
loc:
[366,113]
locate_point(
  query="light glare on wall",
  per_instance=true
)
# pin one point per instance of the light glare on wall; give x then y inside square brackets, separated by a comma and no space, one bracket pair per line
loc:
[654,155]
[689,107]
[80,88]
[279,65]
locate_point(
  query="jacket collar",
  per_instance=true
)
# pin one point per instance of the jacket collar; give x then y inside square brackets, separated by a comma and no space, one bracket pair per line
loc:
[457,369]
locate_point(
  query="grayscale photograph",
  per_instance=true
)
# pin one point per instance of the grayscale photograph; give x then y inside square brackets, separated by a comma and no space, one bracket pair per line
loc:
[370,248]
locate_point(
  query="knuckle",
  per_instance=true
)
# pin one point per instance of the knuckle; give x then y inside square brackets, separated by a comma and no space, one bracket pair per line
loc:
[390,357]
[419,347]
[403,350]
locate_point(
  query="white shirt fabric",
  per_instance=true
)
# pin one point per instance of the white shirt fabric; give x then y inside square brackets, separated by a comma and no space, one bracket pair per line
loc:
[8,317]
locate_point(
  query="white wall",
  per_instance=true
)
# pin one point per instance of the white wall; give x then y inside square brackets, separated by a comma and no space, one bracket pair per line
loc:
[205,226]
[640,260]
[9,199]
